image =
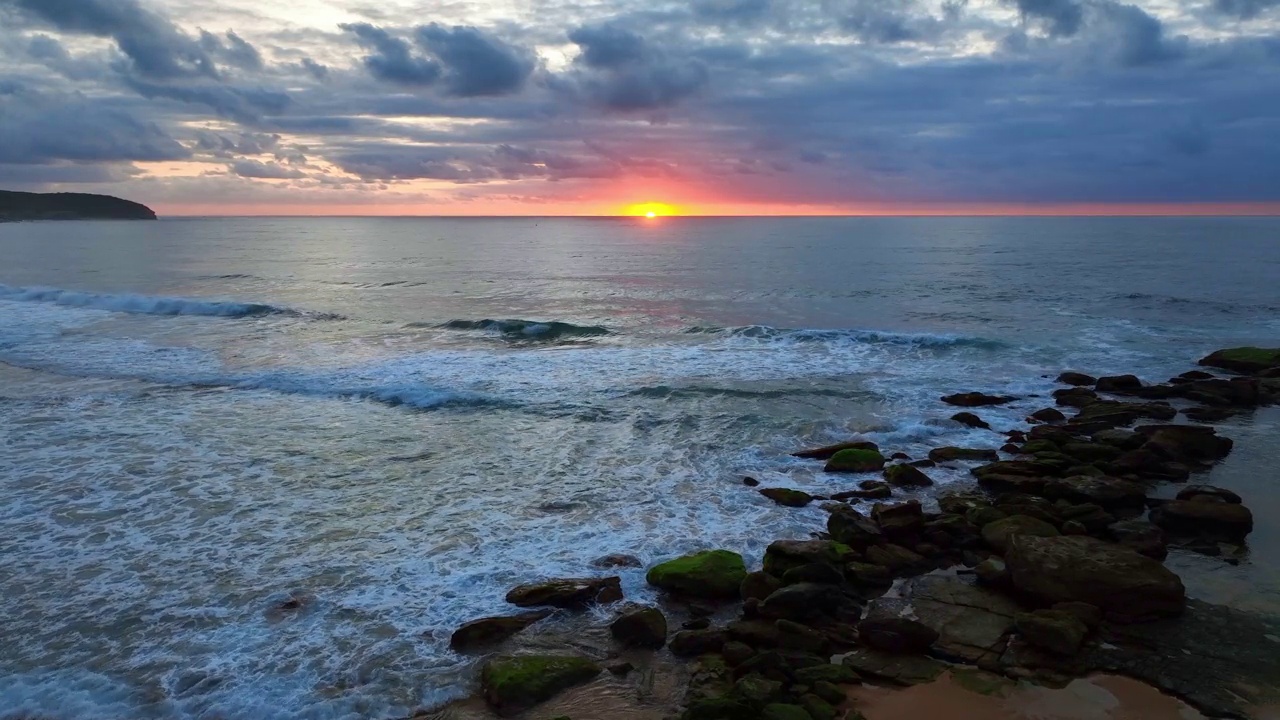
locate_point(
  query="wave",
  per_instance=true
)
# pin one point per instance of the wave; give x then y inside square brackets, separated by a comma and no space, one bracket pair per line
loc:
[149,305]
[1217,305]
[526,329]
[872,337]
[678,392]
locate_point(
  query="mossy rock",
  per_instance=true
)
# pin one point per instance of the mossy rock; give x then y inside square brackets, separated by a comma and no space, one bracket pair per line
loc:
[817,708]
[779,711]
[784,555]
[721,708]
[829,692]
[1244,359]
[515,683]
[997,534]
[713,574]
[1040,446]
[906,476]
[982,682]
[787,497]
[828,672]
[856,461]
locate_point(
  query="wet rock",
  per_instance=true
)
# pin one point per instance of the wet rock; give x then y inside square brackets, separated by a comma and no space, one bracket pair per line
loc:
[1141,537]
[900,519]
[692,643]
[1200,492]
[1091,452]
[513,684]
[1122,439]
[780,711]
[1103,491]
[569,593]
[825,453]
[851,528]
[1078,379]
[613,561]
[1053,630]
[997,534]
[784,555]
[736,653]
[968,419]
[485,632]
[1010,448]
[1049,415]
[646,628]
[1209,414]
[953,454]
[1248,360]
[896,559]
[900,456]
[906,476]
[787,497]
[757,688]
[817,707]
[813,573]
[1208,518]
[855,461]
[1126,586]
[794,636]
[1074,397]
[712,574]
[620,669]
[926,463]
[972,622]
[1185,442]
[750,482]
[756,633]
[897,669]
[1118,384]
[977,399]
[993,572]
[869,490]
[896,635]
[802,601]
[696,624]
[983,516]
[828,673]
[1088,614]
[868,576]
[758,585]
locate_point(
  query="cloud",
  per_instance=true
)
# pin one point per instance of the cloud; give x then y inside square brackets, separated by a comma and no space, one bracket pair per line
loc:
[235,51]
[265,171]
[475,63]
[1244,9]
[243,104]
[1063,17]
[620,70]
[393,59]
[41,129]
[1134,37]
[315,69]
[155,47]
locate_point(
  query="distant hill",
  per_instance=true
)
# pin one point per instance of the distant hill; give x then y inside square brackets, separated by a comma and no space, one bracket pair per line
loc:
[15,206]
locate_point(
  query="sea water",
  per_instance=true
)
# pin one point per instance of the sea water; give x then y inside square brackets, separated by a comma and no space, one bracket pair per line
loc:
[399,419]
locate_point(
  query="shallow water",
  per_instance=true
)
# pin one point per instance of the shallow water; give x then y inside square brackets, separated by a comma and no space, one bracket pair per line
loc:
[200,417]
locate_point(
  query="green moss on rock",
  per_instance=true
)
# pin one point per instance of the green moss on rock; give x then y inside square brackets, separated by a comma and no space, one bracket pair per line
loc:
[779,711]
[856,461]
[714,574]
[1244,359]
[515,683]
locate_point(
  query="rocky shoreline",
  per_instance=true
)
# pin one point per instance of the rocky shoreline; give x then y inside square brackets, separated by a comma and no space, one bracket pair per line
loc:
[1047,568]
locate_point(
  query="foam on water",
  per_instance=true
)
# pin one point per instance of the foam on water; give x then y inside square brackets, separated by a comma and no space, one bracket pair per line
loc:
[140,304]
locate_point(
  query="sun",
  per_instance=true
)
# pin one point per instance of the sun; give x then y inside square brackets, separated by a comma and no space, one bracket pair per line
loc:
[651,214]
[650,210]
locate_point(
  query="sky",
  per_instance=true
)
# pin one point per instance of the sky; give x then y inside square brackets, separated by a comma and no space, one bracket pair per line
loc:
[550,107]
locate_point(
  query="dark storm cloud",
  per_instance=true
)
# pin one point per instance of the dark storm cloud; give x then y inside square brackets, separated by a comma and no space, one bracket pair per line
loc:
[242,104]
[619,70]
[1244,9]
[315,69]
[39,129]
[740,11]
[232,50]
[265,170]
[1136,37]
[154,46]
[1063,17]
[393,59]
[476,64]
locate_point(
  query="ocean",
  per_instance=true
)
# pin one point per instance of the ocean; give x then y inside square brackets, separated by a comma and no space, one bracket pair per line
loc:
[400,419]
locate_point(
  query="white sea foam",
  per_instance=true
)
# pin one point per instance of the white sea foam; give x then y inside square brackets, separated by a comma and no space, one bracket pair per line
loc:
[138,304]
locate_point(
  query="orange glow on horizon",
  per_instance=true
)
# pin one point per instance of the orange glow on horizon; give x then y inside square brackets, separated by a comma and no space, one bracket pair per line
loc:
[651,210]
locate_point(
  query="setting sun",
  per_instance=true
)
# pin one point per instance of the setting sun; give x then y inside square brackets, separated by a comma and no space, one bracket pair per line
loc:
[650,210]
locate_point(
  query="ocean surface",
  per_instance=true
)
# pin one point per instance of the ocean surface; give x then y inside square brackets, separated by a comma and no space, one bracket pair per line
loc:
[400,419]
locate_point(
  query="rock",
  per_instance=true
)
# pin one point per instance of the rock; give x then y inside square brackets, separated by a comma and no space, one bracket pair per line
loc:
[756,633]
[569,593]
[818,708]
[1248,360]
[851,528]
[1209,414]
[1185,442]
[1194,492]
[691,643]
[1091,452]
[972,622]
[613,561]
[1049,415]
[977,399]
[898,669]
[786,497]
[867,575]
[1053,630]
[1141,537]
[750,482]
[828,673]
[490,631]
[1075,397]
[825,453]
[758,585]
[513,684]
[829,691]
[896,635]
[968,419]
[1122,439]
[802,601]
[1214,519]
[646,628]
[993,572]
[813,573]
[870,490]
[736,653]
[896,559]
[855,461]
[1125,585]
[696,624]
[784,555]
[1010,449]
[1078,379]
[983,516]
[779,711]
[1088,614]
[794,636]
[997,534]
[620,669]
[906,476]
[757,688]
[1104,491]
[712,574]
[952,454]
[898,520]
[1118,384]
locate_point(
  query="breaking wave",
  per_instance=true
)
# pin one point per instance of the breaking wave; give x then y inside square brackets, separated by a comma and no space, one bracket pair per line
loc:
[148,305]
[528,329]
[874,337]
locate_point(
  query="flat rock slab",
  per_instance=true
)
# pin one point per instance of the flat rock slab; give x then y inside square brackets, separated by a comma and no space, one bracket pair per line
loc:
[897,669]
[973,623]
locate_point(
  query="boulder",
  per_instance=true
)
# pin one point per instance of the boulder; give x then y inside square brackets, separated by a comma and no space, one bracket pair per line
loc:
[903,670]
[711,574]
[968,419]
[758,585]
[1209,414]
[1248,360]
[1118,384]
[868,490]
[1126,586]
[485,632]
[900,519]
[1211,518]
[855,461]
[692,643]
[613,561]
[787,497]
[977,399]
[1087,452]
[896,635]
[513,684]
[998,533]
[906,476]
[1054,630]
[952,454]
[802,601]
[1103,491]
[1049,415]
[1075,397]
[1141,537]
[569,593]
[783,711]
[1078,379]
[1088,614]
[896,559]
[825,453]
[646,628]
[784,555]
[1185,442]
[1197,492]
[813,573]
[992,571]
